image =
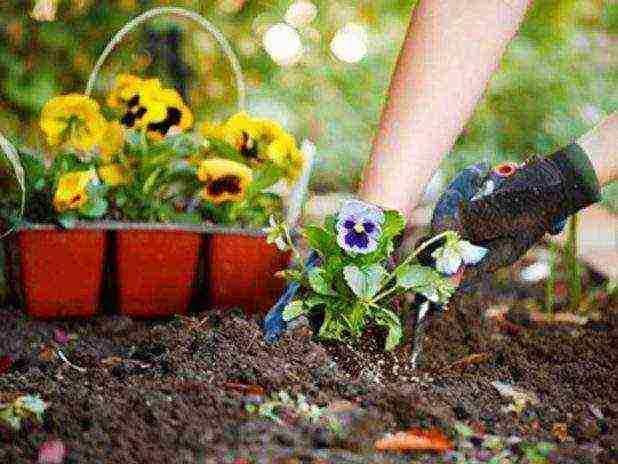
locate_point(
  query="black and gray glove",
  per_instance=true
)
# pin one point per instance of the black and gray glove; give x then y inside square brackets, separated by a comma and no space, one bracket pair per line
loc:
[510,208]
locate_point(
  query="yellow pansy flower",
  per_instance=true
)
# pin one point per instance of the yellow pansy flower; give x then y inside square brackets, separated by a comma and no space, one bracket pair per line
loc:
[207,129]
[166,113]
[75,119]
[284,153]
[149,106]
[113,175]
[112,142]
[225,180]
[127,89]
[71,192]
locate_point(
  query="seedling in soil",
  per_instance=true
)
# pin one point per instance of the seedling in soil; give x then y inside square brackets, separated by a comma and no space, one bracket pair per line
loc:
[23,407]
[310,412]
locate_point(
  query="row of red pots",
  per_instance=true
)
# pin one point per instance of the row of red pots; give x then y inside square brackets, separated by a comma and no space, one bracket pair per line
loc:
[141,270]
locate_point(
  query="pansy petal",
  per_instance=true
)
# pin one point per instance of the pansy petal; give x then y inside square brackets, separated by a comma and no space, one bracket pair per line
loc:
[374,214]
[448,260]
[471,254]
[341,240]
[371,246]
[352,208]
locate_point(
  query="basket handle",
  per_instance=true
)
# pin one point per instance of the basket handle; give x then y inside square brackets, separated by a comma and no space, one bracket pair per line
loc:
[161,11]
[11,153]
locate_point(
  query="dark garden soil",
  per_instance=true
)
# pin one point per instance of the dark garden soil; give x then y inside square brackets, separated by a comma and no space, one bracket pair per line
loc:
[206,388]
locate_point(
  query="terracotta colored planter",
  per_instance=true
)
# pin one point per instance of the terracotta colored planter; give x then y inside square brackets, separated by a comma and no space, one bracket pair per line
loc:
[60,273]
[155,271]
[239,272]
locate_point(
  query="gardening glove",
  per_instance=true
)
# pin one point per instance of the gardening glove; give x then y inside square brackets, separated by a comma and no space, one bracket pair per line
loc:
[510,208]
[274,325]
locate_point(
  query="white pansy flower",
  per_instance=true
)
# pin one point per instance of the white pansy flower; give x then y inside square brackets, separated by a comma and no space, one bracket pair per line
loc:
[276,234]
[450,257]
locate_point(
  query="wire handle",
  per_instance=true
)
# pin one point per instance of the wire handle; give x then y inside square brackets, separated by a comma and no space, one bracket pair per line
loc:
[161,11]
[11,153]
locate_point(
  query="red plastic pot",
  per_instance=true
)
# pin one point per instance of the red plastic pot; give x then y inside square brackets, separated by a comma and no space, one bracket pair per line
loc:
[155,271]
[60,273]
[240,272]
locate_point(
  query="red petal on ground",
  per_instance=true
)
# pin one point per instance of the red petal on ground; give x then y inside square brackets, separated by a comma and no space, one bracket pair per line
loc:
[61,336]
[416,440]
[5,364]
[52,452]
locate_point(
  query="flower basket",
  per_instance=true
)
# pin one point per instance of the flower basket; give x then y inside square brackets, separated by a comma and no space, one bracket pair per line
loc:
[155,269]
[170,185]
[240,268]
[57,273]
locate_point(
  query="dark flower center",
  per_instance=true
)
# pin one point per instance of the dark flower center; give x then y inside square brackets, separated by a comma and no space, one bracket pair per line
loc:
[131,116]
[349,224]
[369,227]
[355,239]
[173,118]
[248,147]
[224,184]
[133,101]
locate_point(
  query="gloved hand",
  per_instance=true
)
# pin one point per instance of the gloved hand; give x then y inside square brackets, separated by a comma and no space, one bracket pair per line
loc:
[510,208]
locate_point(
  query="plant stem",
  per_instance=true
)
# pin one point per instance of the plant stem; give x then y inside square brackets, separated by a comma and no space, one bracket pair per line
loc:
[574,282]
[410,258]
[426,244]
[550,283]
[385,293]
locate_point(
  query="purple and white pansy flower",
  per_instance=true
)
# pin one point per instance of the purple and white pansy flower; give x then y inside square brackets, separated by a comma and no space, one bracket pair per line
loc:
[359,227]
[454,253]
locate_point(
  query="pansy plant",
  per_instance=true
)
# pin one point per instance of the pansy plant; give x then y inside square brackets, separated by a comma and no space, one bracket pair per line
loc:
[357,281]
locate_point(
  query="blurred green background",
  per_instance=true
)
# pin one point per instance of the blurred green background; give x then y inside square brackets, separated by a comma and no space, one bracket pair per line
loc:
[558,78]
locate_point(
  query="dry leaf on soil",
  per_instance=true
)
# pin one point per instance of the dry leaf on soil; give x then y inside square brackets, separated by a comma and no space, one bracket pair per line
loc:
[477,358]
[416,440]
[246,389]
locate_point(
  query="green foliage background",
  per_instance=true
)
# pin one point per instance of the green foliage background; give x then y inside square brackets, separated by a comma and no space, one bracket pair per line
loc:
[558,78]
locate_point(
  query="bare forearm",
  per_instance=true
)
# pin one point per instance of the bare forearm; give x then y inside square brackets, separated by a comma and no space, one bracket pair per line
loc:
[601,146]
[449,53]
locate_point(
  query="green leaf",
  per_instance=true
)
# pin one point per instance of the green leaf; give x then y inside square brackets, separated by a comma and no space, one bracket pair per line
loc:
[321,240]
[395,334]
[388,318]
[225,150]
[67,220]
[293,309]
[318,282]
[330,223]
[414,276]
[268,175]
[394,223]
[365,282]
[150,181]
[94,208]
[316,300]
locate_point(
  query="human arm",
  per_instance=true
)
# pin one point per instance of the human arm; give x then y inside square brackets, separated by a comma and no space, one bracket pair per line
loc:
[449,53]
